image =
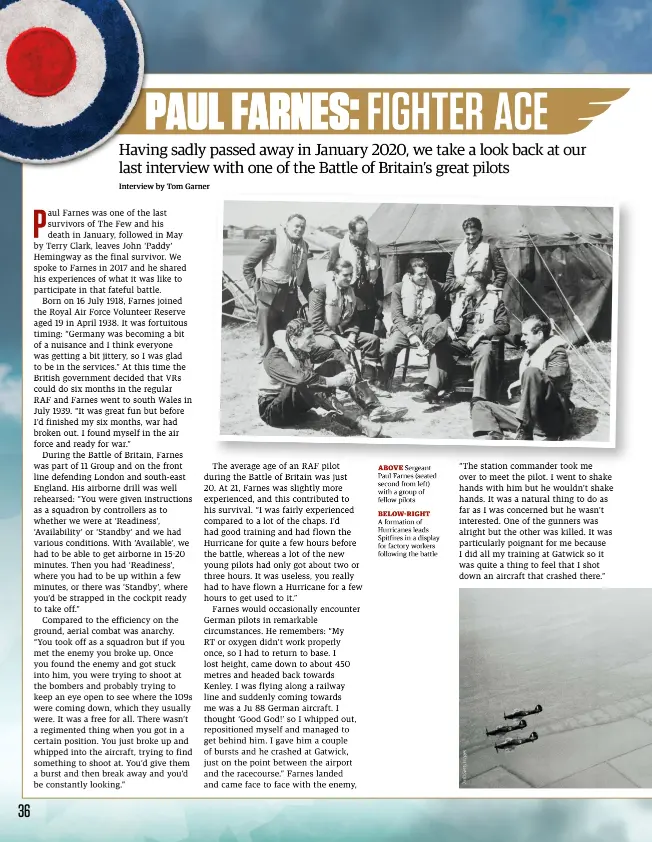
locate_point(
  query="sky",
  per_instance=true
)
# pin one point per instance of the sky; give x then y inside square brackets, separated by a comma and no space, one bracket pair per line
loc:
[269,214]
[439,36]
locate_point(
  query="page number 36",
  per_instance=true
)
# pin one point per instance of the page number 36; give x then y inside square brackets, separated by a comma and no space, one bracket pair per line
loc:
[23,811]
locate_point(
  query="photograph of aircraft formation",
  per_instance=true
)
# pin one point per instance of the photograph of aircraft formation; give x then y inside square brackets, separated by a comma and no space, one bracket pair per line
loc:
[511,743]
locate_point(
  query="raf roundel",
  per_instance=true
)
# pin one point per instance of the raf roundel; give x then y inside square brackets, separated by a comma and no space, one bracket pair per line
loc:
[70,73]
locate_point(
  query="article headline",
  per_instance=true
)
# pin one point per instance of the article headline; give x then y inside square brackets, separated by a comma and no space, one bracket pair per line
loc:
[487,111]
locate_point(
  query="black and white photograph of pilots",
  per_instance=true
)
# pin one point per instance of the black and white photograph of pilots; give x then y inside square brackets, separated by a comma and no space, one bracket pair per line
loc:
[418,322]
[555,687]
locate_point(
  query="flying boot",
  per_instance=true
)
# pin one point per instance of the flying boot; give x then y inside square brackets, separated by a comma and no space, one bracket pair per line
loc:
[371,372]
[363,395]
[354,418]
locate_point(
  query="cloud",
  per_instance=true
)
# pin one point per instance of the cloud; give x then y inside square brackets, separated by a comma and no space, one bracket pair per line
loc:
[562,9]
[11,393]
[615,39]
[340,36]
[627,18]
[571,820]
[331,35]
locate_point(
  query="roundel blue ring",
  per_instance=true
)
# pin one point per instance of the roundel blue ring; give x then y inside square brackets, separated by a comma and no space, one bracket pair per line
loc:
[124,73]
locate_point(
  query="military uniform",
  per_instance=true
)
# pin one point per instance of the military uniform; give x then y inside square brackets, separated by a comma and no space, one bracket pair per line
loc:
[469,316]
[284,275]
[481,259]
[545,406]
[367,278]
[411,306]
[332,312]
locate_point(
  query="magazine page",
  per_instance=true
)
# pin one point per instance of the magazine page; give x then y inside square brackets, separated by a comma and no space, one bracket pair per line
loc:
[324,494]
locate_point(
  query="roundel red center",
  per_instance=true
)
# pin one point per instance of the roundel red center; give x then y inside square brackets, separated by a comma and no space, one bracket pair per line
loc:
[41,61]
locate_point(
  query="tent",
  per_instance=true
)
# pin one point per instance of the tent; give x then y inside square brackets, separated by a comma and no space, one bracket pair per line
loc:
[319,241]
[559,259]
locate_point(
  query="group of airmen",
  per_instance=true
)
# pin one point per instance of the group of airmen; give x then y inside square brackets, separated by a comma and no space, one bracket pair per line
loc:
[309,335]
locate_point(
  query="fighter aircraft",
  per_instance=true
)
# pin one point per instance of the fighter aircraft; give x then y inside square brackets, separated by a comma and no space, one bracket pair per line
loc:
[505,729]
[519,714]
[510,745]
